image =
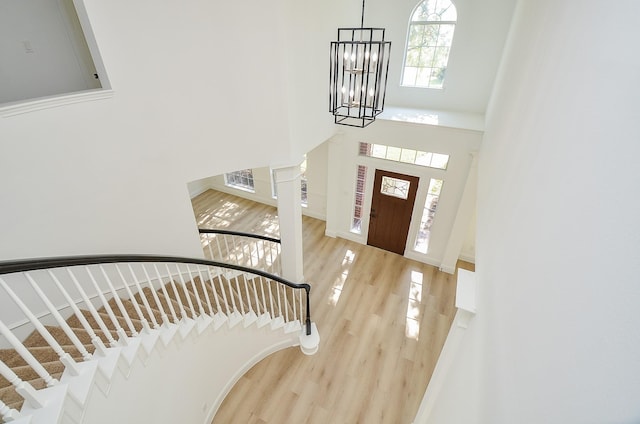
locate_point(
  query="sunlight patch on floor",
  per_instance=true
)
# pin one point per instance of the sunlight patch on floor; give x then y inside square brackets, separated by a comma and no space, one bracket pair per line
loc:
[338,284]
[412,329]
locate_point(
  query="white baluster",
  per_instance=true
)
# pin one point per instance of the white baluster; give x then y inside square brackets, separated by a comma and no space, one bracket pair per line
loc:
[186,293]
[233,297]
[65,358]
[92,310]
[279,299]
[240,259]
[255,294]
[122,335]
[132,299]
[249,243]
[239,295]
[264,305]
[272,310]
[59,319]
[209,241]
[172,283]
[8,414]
[23,388]
[300,306]
[27,356]
[193,286]
[219,248]
[95,340]
[116,298]
[154,294]
[228,252]
[246,290]
[215,292]
[262,261]
[293,305]
[204,289]
[286,304]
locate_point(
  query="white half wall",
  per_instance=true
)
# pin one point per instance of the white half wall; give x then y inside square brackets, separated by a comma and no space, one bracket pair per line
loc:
[555,339]
[186,381]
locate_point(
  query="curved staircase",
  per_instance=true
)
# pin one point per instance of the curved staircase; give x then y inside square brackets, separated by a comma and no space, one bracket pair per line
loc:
[121,310]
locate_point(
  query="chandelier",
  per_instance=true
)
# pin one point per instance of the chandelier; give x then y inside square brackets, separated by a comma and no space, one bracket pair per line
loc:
[358,74]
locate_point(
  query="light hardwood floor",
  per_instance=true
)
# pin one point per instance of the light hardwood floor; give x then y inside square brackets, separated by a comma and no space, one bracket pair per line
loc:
[383,320]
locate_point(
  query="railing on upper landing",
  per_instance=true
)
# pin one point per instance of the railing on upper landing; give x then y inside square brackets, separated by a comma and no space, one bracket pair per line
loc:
[104,301]
[244,249]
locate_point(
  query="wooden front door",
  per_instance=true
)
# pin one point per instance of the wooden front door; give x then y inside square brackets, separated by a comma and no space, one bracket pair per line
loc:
[391,209]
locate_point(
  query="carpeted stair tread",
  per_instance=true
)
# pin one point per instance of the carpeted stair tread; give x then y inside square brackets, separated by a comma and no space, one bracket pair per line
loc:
[130,310]
[27,373]
[35,339]
[182,297]
[152,304]
[231,289]
[74,321]
[13,400]
[164,304]
[42,353]
[211,294]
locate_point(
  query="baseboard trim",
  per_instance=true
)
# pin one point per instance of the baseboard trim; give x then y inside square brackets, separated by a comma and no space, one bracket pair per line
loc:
[283,344]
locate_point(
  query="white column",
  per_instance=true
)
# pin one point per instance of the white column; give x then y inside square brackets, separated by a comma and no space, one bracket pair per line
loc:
[290,215]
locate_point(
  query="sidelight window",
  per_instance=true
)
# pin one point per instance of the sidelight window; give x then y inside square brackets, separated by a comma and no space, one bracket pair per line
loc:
[428,215]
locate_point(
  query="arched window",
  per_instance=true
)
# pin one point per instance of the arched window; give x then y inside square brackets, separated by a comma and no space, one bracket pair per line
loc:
[428,43]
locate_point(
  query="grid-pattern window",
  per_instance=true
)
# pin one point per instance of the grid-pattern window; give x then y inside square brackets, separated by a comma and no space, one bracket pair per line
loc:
[400,154]
[428,44]
[361,181]
[242,179]
[428,215]
[303,183]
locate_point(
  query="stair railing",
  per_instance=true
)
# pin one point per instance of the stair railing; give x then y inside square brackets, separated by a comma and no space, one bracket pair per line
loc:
[190,289]
[245,249]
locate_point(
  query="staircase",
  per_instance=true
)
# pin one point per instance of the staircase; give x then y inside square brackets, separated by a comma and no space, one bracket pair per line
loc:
[116,313]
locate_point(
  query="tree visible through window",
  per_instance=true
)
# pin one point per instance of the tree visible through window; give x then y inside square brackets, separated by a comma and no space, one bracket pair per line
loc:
[428,43]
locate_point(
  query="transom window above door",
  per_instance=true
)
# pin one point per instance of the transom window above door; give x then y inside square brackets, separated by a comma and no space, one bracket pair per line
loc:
[404,155]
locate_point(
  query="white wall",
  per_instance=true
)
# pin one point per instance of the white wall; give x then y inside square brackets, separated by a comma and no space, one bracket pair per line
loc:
[343,152]
[200,89]
[556,334]
[478,42]
[316,184]
[187,380]
[42,50]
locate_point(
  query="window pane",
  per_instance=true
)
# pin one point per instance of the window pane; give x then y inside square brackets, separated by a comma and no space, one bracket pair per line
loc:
[423,158]
[408,156]
[431,35]
[428,215]
[447,11]
[437,77]
[242,179]
[395,187]
[426,56]
[440,161]
[393,153]
[409,76]
[424,77]
[379,151]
